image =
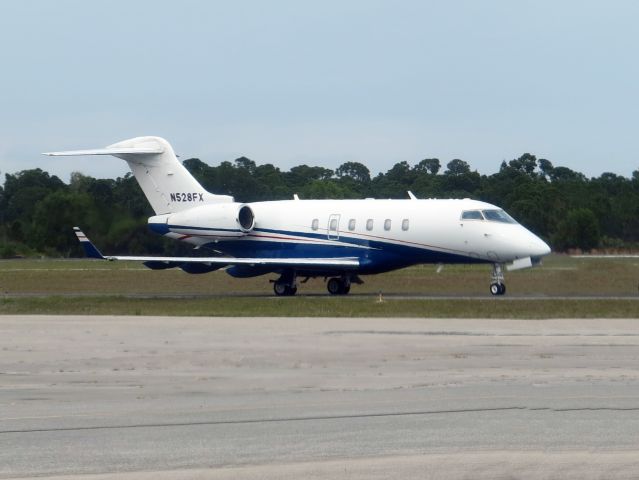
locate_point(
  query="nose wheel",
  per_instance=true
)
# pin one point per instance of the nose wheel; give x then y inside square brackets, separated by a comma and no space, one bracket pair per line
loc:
[497,285]
[497,288]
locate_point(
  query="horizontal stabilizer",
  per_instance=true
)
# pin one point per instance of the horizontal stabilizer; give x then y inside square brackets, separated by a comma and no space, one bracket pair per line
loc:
[162,177]
[109,151]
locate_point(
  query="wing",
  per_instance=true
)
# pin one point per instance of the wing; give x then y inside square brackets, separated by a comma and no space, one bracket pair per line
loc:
[166,262]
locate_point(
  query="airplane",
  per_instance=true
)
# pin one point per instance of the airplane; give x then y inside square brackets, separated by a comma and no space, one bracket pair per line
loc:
[338,240]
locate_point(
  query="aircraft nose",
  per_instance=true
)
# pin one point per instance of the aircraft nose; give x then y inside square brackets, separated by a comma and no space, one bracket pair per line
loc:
[538,248]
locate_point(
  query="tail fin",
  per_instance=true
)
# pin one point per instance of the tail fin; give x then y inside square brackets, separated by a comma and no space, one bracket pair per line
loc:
[168,186]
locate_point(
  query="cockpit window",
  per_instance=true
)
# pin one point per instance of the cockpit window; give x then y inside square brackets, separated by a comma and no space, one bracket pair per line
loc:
[498,216]
[472,215]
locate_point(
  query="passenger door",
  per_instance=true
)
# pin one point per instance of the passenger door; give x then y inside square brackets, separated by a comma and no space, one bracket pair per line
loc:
[333,227]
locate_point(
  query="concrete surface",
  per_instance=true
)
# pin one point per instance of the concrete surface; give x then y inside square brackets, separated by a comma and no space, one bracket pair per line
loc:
[159,397]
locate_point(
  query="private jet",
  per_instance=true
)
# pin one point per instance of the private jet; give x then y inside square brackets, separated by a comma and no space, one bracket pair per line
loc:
[339,240]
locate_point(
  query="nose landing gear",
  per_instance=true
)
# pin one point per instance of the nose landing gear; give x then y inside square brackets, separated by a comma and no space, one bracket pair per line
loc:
[497,285]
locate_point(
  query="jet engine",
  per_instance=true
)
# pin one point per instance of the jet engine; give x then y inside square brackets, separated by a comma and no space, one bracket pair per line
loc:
[221,220]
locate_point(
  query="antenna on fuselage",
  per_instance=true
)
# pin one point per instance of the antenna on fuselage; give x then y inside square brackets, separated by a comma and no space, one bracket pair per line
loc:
[412,195]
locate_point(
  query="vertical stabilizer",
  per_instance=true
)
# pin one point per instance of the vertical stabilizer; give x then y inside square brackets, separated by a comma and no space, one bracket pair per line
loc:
[167,184]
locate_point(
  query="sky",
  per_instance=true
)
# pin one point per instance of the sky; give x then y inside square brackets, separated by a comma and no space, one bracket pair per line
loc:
[321,83]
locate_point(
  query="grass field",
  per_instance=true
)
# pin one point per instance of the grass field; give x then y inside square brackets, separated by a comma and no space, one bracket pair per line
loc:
[98,287]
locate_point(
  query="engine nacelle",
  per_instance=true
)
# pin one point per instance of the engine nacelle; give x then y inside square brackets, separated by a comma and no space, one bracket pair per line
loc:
[213,221]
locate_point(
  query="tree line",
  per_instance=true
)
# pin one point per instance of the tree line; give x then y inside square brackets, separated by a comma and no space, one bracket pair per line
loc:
[567,209]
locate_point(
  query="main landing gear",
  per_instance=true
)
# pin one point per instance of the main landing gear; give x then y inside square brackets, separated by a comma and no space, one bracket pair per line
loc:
[497,285]
[283,290]
[339,285]
[286,285]
[342,285]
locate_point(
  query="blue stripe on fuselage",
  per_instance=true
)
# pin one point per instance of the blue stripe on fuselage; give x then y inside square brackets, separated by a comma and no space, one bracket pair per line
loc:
[377,255]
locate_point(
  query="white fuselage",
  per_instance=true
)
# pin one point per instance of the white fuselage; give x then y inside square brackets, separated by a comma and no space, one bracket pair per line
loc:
[384,234]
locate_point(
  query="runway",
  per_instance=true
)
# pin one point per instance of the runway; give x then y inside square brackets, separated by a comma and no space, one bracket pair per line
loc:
[161,397]
[386,296]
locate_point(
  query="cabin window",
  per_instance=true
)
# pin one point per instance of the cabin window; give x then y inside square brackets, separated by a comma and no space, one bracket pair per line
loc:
[472,215]
[351,224]
[498,216]
[333,225]
[369,224]
[387,224]
[405,224]
[315,224]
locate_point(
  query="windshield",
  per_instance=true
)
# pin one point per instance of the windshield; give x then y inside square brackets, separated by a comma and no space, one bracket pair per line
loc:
[498,216]
[472,215]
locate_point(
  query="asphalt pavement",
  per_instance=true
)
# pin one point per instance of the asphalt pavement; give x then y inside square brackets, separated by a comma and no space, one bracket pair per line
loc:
[166,397]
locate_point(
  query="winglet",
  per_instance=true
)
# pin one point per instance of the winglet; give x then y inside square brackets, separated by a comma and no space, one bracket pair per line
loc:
[89,249]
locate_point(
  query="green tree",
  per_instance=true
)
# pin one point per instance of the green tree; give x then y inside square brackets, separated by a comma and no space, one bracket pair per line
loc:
[247,164]
[430,166]
[525,164]
[354,170]
[545,167]
[564,174]
[54,218]
[324,189]
[579,229]
[459,181]
[23,190]
[457,167]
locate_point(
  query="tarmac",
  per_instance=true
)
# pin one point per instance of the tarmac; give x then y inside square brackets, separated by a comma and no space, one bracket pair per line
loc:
[265,398]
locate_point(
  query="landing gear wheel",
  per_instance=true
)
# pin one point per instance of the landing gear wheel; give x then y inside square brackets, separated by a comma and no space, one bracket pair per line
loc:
[497,288]
[280,289]
[338,286]
[335,286]
[283,290]
[286,285]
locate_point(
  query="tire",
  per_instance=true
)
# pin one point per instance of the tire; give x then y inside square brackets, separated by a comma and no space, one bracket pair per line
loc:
[502,288]
[335,286]
[280,289]
[291,291]
[495,289]
[347,288]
